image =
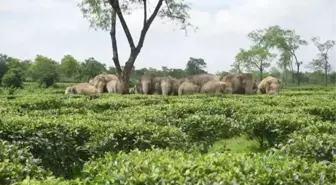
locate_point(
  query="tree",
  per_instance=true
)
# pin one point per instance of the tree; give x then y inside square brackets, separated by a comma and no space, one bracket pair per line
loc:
[332,77]
[3,65]
[257,57]
[90,68]
[13,78]
[195,66]
[69,66]
[102,15]
[319,65]
[275,72]
[25,64]
[285,41]
[45,71]
[322,61]
[13,63]
[284,62]
[239,60]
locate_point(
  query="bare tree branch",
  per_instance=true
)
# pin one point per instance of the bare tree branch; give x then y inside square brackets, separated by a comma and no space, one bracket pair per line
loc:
[116,7]
[145,12]
[147,25]
[114,42]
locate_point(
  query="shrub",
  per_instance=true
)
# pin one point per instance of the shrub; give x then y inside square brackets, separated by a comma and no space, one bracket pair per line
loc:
[18,163]
[13,78]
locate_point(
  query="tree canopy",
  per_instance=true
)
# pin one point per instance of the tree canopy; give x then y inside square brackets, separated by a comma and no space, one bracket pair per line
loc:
[102,14]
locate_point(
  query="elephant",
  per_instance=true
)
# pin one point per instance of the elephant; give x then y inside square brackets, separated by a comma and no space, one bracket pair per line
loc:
[166,85]
[146,83]
[255,87]
[241,83]
[115,86]
[215,86]
[270,85]
[138,88]
[201,79]
[101,80]
[188,88]
[157,85]
[175,85]
[82,88]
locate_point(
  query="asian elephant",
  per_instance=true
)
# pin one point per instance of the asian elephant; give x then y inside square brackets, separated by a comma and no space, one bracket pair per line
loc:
[146,83]
[201,79]
[115,86]
[188,88]
[241,83]
[270,85]
[215,86]
[101,80]
[82,88]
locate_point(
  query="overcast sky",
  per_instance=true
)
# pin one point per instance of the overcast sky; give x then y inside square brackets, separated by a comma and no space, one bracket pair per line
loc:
[55,28]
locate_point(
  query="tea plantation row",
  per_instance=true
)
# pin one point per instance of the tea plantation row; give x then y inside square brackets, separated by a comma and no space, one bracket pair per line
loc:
[135,139]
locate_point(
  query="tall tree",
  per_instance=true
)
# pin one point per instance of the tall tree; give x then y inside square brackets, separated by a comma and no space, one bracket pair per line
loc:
[286,41]
[26,66]
[90,68]
[257,57]
[322,60]
[319,65]
[102,14]
[45,71]
[284,63]
[69,66]
[237,65]
[3,65]
[195,66]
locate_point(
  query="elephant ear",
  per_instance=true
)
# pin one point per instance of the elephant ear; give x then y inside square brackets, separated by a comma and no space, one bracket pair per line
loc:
[73,90]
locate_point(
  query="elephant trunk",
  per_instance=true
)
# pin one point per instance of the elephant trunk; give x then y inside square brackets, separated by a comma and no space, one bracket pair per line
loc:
[165,88]
[145,87]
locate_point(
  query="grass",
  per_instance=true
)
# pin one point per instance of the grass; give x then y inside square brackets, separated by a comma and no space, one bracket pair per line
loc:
[237,145]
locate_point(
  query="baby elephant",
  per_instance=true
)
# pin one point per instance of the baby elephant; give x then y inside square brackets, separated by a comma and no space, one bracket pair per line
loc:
[269,85]
[82,88]
[215,86]
[188,88]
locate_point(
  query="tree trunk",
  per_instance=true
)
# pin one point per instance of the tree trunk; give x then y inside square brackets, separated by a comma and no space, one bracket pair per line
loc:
[326,74]
[298,73]
[126,75]
[261,74]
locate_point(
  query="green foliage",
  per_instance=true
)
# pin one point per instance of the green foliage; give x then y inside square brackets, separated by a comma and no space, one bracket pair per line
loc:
[174,167]
[257,56]
[13,78]
[150,139]
[3,65]
[322,62]
[45,71]
[90,68]
[315,142]
[196,66]
[99,12]
[69,66]
[17,163]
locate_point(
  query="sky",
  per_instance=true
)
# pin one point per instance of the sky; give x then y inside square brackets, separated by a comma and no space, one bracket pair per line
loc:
[55,28]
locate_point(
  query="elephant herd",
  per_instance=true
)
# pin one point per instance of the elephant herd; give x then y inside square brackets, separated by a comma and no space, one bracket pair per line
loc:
[235,83]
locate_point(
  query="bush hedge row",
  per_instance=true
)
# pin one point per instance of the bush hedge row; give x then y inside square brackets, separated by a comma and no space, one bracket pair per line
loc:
[66,132]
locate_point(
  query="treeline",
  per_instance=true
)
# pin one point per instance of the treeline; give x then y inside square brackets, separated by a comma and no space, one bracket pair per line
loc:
[275,44]
[46,71]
